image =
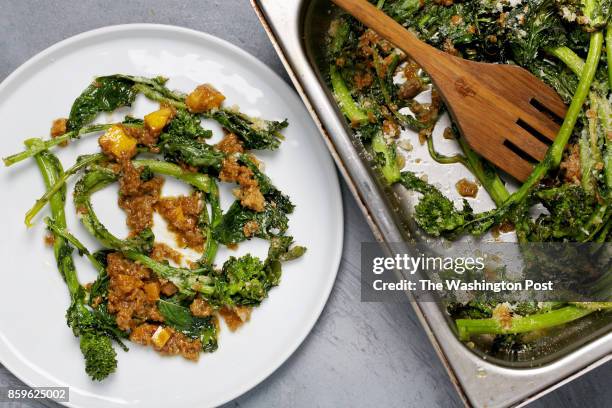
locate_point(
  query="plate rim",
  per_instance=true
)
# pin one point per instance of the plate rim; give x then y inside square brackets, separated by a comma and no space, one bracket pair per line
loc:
[22,372]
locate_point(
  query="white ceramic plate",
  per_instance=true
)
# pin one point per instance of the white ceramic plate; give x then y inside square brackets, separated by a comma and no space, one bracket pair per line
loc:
[35,343]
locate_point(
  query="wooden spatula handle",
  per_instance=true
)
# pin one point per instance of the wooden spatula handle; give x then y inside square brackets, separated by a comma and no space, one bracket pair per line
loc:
[423,54]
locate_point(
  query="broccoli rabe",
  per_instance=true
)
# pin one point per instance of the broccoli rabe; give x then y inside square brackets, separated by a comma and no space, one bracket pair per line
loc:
[95,328]
[561,42]
[181,319]
[105,94]
[136,288]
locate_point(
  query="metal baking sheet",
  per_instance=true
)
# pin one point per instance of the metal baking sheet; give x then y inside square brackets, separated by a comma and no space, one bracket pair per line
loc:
[294,26]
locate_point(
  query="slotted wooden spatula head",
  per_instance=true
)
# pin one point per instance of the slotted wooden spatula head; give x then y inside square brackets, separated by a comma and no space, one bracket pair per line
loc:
[504,112]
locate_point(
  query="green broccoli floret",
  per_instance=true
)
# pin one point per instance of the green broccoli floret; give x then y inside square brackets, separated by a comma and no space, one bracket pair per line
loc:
[95,330]
[100,356]
[248,279]
[188,125]
[473,309]
[437,215]
[570,211]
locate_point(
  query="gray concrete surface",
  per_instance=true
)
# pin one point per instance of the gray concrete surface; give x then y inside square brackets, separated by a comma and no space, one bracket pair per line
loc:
[359,354]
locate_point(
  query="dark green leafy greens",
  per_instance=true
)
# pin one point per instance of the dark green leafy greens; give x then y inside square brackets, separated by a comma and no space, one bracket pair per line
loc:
[105,94]
[255,133]
[181,319]
[271,222]
[562,43]
[95,328]
[181,142]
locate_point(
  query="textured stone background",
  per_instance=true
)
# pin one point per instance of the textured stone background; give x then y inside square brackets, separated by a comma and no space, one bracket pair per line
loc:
[358,355]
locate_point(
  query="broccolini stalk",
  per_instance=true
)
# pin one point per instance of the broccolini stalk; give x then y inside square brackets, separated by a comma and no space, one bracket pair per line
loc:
[211,221]
[349,108]
[597,226]
[94,328]
[47,144]
[569,58]
[158,96]
[51,170]
[385,155]
[445,159]
[587,164]
[201,182]
[95,180]
[522,324]
[188,281]
[59,230]
[555,152]
[81,163]
[485,173]
[609,52]
[339,36]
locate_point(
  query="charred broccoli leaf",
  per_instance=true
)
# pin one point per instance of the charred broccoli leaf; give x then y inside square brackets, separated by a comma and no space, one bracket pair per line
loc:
[105,94]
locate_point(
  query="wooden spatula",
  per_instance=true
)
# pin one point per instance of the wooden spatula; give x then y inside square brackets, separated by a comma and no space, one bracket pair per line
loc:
[504,112]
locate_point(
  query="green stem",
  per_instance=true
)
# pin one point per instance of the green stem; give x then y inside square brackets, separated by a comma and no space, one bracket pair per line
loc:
[440,158]
[385,156]
[158,96]
[81,163]
[487,176]
[609,52]
[51,171]
[520,324]
[587,164]
[60,231]
[210,250]
[47,144]
[555,152]
[569,58]
[200,181]
[345,101]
